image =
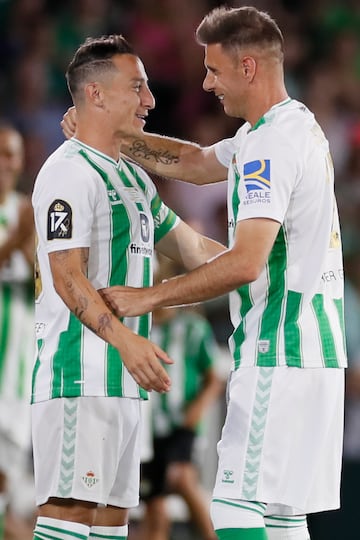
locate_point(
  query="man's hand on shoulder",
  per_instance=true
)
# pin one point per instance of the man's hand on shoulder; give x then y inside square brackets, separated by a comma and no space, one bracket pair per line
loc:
[68,123]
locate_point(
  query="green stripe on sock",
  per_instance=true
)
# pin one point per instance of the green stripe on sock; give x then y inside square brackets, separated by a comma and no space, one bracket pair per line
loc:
[242,534]
[105,537]
[70,534]
[291,520]
[294,520]
[43,537]
[268,526]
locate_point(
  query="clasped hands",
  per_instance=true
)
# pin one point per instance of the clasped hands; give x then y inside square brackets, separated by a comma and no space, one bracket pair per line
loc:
[127,301]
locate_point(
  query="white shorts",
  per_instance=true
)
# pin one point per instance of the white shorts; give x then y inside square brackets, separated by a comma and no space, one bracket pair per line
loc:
[87,448]
[282,439]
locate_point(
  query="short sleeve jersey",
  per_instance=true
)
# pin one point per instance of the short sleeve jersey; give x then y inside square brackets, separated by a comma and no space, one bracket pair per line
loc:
[83,198]
[281,169]
[189,340]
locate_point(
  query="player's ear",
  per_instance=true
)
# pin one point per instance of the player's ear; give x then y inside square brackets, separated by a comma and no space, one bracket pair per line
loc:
[94,94]
[248,66]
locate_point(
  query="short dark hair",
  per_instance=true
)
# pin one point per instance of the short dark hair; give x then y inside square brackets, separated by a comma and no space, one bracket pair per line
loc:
[94,56]
[234,28]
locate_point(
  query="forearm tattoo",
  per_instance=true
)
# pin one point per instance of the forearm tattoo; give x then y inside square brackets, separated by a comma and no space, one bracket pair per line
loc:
[140,150]
[104,319]
[104,323]
[80,310]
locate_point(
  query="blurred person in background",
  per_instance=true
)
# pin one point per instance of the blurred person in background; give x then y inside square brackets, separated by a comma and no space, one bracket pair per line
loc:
[16,332]
[176,417]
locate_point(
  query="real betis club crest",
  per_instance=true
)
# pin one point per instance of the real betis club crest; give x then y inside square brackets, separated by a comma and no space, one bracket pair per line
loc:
[90,479]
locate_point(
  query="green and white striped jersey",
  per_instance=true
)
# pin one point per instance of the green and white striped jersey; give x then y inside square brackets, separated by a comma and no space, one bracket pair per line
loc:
[83,198]
[189,341]
[16,333]
[292,314]
[16,312]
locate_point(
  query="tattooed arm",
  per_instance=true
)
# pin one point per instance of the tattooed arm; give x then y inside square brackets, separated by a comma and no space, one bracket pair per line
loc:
[140,356]
[175,158]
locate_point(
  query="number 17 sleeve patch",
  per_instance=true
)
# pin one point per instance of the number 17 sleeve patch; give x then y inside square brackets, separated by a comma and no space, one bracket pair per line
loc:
[59,224]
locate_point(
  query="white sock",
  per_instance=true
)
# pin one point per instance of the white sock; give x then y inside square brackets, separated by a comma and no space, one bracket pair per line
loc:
[58,529]
[287,528]
[115,533]
[236,514]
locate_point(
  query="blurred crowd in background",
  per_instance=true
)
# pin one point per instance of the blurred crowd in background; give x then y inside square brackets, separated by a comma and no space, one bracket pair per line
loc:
[322,64]
[322,67]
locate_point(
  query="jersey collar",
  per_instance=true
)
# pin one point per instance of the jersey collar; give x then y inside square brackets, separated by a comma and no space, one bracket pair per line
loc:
[262,120]
[97,152]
